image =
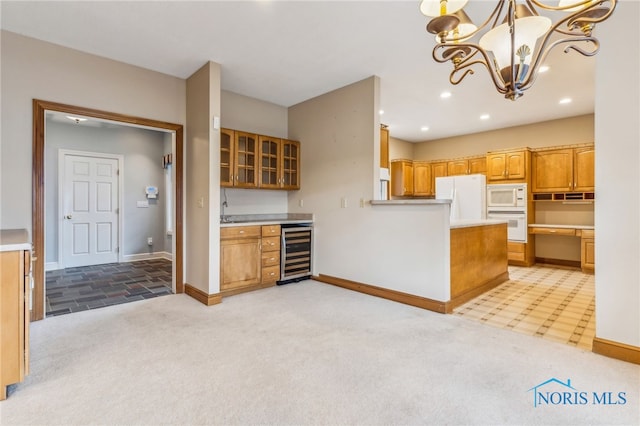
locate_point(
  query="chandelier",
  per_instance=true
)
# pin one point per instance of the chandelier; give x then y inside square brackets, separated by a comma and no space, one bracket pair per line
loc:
[515,39]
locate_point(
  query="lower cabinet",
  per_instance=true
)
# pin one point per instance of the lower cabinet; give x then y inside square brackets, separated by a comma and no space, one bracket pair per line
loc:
[240,257]
[249,258]
[521,254]
[588,251]
[14,327]
[270,254]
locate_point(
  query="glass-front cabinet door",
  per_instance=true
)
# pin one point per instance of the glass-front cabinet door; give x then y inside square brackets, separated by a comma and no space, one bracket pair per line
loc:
[226,157]
[290,164]
[269,162]
[246,154]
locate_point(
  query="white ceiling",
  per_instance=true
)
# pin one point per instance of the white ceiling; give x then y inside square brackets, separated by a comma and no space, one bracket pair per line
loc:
[287,52]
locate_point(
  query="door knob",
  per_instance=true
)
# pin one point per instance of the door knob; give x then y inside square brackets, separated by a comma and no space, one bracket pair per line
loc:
[68,216]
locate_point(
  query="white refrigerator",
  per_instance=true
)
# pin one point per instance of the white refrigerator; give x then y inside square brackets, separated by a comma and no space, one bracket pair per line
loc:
[468,195]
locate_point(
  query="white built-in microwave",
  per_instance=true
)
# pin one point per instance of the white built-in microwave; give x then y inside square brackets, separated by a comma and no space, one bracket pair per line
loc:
[512,195]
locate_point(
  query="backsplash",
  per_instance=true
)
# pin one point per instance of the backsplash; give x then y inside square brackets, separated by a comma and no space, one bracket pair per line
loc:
[252,201]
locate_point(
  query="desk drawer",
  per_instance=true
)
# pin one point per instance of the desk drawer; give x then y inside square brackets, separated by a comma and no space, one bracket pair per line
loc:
[571,232]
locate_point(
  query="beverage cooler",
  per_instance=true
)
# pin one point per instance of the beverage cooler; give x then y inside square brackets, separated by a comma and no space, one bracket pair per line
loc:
[296,253]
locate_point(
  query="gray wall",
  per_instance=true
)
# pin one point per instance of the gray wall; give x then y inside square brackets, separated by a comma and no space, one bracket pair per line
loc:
[32,69]
[142,150]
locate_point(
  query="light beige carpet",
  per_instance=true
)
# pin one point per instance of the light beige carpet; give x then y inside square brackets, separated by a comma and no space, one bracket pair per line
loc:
[305,353]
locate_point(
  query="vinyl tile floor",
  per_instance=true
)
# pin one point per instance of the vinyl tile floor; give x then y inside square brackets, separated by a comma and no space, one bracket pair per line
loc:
[90,287]
[551,303]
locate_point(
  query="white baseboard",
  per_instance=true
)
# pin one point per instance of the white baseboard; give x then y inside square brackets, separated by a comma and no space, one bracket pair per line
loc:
[147,256]
[51,266]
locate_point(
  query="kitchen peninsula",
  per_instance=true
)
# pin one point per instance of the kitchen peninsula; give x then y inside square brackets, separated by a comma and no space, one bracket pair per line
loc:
[426,260]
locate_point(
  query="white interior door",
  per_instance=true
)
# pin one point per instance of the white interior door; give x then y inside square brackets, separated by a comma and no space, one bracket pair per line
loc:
[89,207]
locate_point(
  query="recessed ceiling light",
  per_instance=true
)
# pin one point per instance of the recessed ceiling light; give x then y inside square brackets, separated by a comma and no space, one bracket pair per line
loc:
[424,128]
[76,119]
[445,95]
[543,68]
[485,117]
[381,112]
[565,101]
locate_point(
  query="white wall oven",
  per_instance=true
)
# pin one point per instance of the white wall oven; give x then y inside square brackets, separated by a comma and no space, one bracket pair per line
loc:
[508,202]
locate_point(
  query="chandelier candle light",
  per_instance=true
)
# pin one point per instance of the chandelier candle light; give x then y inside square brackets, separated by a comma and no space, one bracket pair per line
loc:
[514,40]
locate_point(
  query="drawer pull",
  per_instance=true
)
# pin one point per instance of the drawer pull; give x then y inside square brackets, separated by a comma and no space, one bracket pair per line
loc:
[242,232]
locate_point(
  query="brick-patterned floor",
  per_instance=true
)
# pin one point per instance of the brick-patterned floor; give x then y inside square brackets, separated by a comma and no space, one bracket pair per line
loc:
[89,287]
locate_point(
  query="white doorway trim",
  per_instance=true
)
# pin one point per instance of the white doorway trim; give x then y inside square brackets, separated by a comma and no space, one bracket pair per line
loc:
[62,153]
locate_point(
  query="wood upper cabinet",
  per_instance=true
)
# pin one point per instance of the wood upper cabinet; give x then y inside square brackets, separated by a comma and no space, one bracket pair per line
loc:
[270,162]
[401,178]
[422,182]
[584,169]
[384,147]
[258,161]
[279,163]
[507,166]
[240,257]
[457,167]
[478,165]
[563,170]
[290,164]
[438,169]
[227,159]
[238,159]
[467,166]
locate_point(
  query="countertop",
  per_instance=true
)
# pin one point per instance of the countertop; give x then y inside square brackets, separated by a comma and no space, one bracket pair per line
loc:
[547,225]
[14,239]
[265,219]
[476,222]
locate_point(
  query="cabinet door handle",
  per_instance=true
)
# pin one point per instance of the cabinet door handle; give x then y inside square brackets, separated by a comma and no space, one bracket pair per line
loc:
[241,232]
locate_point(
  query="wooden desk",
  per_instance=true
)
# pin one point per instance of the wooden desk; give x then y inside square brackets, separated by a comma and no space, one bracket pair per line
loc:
[585,233]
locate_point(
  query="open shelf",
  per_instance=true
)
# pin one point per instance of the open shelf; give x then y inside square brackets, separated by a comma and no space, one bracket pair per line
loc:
[564,196]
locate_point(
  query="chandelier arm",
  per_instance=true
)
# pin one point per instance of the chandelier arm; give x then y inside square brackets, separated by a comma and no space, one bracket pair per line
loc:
[544,6]
[466,62]
[542,55]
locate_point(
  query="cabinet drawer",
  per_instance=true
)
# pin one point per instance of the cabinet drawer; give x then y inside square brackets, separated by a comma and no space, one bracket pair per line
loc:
[270,230]
[240,232]
[553,231]
[270,274]
[515,256]
[270,258]
[515,247]
[271,244]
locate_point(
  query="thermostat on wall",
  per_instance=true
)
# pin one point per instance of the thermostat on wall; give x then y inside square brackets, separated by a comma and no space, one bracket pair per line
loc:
[151,191]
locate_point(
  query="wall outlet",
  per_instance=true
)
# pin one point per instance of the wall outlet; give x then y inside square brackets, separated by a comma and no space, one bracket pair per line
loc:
[201,202]
[301,202]
[361,202]
[343,202]
[149,241]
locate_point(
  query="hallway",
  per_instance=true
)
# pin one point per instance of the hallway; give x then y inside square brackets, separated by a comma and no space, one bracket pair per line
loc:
[90,287]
